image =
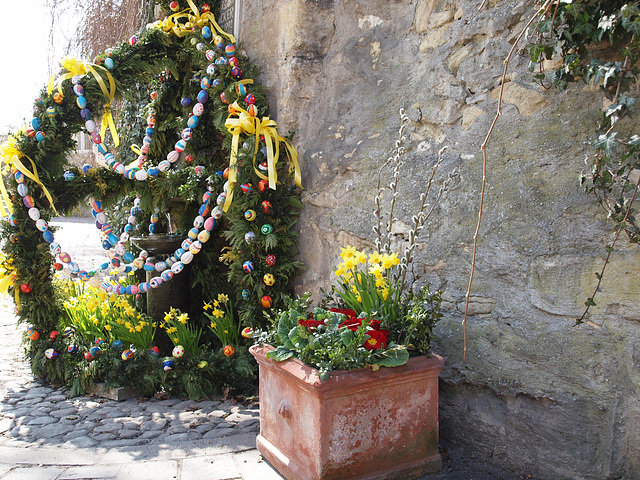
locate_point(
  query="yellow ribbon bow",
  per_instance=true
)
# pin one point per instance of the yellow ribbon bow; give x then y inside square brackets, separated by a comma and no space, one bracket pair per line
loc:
[7,278]
[76,67]
[193,18]
[10,156]
[248,125]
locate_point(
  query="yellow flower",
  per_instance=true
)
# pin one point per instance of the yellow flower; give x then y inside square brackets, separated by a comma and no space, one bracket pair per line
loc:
[216,303]
[340,271]
[223,298]
[226,332]
[114,271]
[349,263]
[129,310]
[167,317]
[377,271]
[93,319]
[374,258]
[107,328]
[385,292]
[207,306]
[183,318]
[380,282]
[171,330]
[217,313]
[127,324]
[138,328]
[389,261]
[361,257]
[176,340]
[347,252]
[213,325]
[154,324]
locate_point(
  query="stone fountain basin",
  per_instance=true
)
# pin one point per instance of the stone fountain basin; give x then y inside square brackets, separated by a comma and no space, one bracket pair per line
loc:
[158,244]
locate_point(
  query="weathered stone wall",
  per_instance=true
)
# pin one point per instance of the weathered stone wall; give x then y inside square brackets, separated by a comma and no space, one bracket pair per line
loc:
[536,393]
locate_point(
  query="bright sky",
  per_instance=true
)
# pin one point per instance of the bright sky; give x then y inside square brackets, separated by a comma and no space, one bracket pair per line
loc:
[24,51]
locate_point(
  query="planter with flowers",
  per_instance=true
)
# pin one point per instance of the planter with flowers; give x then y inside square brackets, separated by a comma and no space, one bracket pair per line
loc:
[352,396]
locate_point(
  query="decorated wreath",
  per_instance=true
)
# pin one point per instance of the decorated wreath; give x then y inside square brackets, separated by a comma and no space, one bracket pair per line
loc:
[180,130]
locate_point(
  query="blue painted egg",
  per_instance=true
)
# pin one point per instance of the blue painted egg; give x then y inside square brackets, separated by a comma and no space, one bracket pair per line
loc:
[248,266]
[166,275]
[105,244]
[217,83]
[144,287]
[221,61]
[192,122]
[12,220]
[205,83]
[245,294]
[127,355]
[230,50]
[153,228]
[118,344]
[95,351]
[203,96]
[185,102]
[250,237]
[35,123]
[177,267]
[68,332]
[153,172]
[241,90]
[149,266]
[23,190]
[113,239]
[72,349]
[108,62]
[40,136]
[236,73]
[206,32]
[85,114]
[167,365]
[128,257]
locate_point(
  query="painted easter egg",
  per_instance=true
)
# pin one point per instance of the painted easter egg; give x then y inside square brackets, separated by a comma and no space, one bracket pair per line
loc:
[58,98]
[245,294]
[177,267]
[51,111]
[209,224]
[193,121]
[205,83]
[234,62]
[250,237]
[95,351]
[186,134]
[195,247]
[198,109]
[225,98]
[262,185]
[229,351]
[266,229]
[55,248]
[26,288]
[250,215]
[39,136]
[14,238]
[247,332]
[167,365]
[216,213]
[50,353]
[68,176]
[23,190]
[68,332]
[266,301]
[246,187]
[204,236]
[167,275]
[34,214]
[221,198]
[270,260]
[206,32]
[230,50]
[250,99]
[117,344]
[154,351]
[186,258]
[236,73]
[72,349]
[266,206]
[203,96]
[133,40]
[180,146]
[127,355]
[28,201]
[12,220]
[268,279]
[42,225]
[178,351]
[32,334]
[248,266]
[211,69]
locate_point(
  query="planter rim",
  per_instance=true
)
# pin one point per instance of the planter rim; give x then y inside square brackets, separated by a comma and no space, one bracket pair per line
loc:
[342,382]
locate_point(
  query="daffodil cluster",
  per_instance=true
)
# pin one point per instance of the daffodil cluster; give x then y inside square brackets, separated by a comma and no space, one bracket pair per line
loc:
[180,331]
[222,321]
[365,282]
[94,313]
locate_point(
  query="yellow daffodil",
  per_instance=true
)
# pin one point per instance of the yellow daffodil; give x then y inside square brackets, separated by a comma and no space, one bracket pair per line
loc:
[385,292]
[376,270]
[176,340]
[217,313]
[361,257]
[380,282]
[223,298]
[340,271]
[213,325]
[374,258]
[107,328]
[167,317]
[349,263]
[182,318]
[207,306]
[347,252]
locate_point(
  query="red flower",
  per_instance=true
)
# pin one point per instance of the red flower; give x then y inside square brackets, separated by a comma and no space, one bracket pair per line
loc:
[347,312]
[378,339]
[311,324]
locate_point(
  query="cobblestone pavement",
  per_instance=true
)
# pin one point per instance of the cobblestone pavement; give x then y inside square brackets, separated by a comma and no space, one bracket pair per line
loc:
[46,436]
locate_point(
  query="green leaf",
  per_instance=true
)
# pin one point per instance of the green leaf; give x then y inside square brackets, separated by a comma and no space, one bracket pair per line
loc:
[280,354]
[393,357]
[346,336]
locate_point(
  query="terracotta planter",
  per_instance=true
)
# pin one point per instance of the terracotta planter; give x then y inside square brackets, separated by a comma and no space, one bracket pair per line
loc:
[358,424]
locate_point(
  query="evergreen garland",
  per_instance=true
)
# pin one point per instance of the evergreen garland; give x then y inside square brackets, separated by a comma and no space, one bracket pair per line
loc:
[171,66]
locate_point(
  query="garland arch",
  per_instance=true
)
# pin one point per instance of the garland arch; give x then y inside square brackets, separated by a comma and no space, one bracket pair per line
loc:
[185,93]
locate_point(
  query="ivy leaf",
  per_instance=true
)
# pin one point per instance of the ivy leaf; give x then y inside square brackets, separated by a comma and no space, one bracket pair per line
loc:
[393,357]
[607,142]
[590,302]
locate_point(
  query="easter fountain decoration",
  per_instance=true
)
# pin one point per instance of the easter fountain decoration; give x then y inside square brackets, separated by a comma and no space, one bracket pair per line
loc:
[200,85]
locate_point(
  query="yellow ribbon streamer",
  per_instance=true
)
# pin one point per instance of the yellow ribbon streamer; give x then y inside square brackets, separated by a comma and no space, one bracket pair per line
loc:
[7,278]
[10,155]
[248,125]
[76,67]
[193,18]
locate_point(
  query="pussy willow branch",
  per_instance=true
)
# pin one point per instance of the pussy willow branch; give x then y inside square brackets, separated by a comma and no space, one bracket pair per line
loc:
[610,249]
[540,11]
[395,156]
